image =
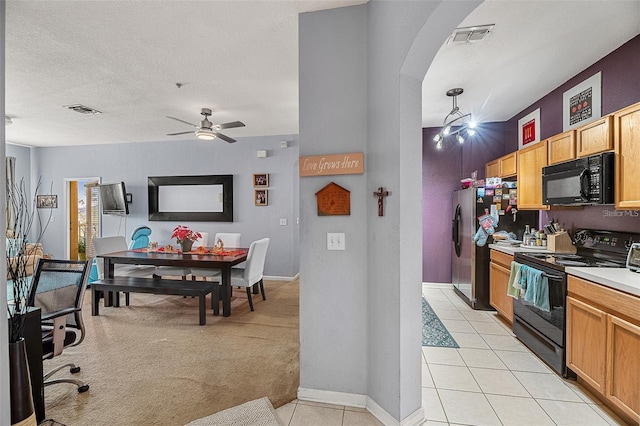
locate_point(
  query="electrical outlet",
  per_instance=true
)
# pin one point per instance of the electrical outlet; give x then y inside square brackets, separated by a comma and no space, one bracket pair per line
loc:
[335,241]
[283,222]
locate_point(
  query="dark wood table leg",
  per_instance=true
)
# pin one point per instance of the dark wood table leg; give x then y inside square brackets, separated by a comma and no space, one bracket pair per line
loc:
[225,291]
[109,272]
[95,301]
[215,299]
[203,309]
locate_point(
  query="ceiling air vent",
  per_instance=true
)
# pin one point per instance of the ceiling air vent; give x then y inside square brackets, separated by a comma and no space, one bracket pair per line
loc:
[471,34]
[82,109]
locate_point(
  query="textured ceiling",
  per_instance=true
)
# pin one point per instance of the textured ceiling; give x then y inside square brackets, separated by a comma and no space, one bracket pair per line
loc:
[240,58]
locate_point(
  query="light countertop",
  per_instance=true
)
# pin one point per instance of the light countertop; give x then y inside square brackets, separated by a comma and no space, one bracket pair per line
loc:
[617,278]
[508,249]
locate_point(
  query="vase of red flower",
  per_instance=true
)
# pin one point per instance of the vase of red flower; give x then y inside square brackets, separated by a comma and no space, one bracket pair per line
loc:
[185,237]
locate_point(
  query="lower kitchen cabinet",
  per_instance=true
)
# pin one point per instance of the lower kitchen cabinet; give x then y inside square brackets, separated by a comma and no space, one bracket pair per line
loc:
[586,342]
[499,271]
[603,343]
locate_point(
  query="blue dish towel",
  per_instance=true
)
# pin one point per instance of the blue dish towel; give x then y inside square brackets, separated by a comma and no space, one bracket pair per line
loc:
[537,291]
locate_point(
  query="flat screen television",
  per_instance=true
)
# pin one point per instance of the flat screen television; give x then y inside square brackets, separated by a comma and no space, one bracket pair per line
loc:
[113,197]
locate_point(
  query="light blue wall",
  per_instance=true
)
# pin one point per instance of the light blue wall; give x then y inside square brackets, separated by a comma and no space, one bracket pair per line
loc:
[133,163]
[370,294]
[23,164]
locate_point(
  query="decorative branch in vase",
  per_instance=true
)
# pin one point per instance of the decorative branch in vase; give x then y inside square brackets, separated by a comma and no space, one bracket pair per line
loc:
[22,257]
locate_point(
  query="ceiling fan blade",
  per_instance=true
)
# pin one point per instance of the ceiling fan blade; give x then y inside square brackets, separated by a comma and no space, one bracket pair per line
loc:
[224,137]
[231,125]
[182,121]
[179,133]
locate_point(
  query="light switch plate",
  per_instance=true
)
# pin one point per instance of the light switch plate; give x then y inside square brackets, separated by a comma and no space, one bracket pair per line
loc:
[335,241]
[283,222]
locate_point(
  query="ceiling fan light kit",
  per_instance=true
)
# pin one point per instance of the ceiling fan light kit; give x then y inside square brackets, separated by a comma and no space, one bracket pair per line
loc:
[207,130]
[455,123]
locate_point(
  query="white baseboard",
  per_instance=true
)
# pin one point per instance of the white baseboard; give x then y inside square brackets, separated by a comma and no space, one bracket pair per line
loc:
[331,397]
[438,285]
[277,278]
[360,401]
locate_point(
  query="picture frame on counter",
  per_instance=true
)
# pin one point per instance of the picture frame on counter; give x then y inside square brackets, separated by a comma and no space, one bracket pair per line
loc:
[582,103]
[529,129]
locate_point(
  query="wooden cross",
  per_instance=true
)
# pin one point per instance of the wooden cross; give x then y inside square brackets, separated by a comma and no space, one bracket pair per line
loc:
[380,194]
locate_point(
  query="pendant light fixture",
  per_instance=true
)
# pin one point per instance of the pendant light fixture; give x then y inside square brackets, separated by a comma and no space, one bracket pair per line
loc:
[455,123]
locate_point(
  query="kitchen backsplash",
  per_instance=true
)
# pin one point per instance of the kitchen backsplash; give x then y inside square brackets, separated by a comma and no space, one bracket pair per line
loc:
[595,217]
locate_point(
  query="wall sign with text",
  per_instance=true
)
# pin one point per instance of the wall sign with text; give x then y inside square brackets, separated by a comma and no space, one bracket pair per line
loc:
[582,103]
[332,164]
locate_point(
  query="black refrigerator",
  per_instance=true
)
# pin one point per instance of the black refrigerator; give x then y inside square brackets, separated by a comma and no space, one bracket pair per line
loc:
[469,261]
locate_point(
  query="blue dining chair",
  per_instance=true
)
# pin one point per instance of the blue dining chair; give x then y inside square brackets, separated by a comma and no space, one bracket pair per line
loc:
[140,237]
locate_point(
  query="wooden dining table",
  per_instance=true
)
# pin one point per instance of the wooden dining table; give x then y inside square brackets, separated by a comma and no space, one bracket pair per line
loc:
[223,262]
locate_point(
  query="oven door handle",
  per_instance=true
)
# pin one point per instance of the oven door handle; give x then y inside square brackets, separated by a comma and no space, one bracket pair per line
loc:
[553,277]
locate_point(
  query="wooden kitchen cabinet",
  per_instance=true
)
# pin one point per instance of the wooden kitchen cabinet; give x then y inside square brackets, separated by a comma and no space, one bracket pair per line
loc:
[508,165]
[531,160]
[623,365]
[603,343]
[562,147]
[499,272]
[505,166]
[492,169]
[595,137]
[626,124]
[586,342]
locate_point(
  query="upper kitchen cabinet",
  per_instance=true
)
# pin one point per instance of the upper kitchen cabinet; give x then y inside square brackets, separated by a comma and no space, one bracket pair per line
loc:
[562,147]
[503,167]
[595,137]
[626,123]
[531,160]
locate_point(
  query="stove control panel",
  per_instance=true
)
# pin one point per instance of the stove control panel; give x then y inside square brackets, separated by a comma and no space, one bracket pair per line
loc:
[607,241]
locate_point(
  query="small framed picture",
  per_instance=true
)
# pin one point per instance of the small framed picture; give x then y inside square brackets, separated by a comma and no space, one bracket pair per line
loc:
[261,180]
[261,197]
[47,201]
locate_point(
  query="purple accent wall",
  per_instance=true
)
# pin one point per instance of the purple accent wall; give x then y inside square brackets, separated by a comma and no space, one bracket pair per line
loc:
[443,169]
[620,88]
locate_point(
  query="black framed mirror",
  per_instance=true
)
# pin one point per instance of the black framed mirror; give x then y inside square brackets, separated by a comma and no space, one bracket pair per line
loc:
[204,198]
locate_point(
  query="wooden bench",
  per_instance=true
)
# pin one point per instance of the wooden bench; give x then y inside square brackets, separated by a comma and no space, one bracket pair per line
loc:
[154,286]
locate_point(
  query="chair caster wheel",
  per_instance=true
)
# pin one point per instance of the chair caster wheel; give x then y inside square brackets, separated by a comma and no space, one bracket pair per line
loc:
[83,388]
[74,370]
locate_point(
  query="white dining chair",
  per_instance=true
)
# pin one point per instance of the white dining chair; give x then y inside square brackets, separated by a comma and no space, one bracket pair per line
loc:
[252,273]
[230,240]
[106,245]
[176,271]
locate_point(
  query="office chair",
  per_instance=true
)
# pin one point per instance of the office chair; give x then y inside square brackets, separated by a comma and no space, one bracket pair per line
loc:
[58,290]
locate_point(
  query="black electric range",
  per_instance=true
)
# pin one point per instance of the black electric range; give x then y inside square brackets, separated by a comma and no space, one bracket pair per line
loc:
[601,249]
[544,331]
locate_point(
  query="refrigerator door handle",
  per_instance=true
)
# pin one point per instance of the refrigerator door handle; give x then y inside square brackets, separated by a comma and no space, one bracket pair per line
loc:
[455,230]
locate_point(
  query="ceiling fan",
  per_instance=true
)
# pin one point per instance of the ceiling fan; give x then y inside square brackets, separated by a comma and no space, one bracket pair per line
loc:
[207,130]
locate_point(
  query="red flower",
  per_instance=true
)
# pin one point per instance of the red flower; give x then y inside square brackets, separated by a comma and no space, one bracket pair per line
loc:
[181,233]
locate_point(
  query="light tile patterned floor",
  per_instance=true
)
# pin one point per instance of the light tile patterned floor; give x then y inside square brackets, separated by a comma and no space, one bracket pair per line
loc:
[492,379]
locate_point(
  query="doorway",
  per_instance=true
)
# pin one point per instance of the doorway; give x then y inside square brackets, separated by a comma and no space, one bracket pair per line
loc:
[83,217]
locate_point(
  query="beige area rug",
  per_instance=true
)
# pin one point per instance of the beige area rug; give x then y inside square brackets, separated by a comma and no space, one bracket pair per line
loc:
[258,412]
[151,363]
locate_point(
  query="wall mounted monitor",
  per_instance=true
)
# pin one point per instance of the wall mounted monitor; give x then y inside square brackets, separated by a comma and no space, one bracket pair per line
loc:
[113,198]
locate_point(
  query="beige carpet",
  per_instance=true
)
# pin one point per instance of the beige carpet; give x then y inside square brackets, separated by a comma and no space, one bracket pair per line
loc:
[151,363]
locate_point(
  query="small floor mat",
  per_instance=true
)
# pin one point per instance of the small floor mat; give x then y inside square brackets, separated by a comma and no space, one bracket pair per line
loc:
[434,333]
[258,412]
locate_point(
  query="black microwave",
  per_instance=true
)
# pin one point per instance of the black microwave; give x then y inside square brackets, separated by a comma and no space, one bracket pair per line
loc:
[582,181]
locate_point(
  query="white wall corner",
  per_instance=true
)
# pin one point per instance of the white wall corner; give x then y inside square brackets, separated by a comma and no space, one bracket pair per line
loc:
[415,418]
